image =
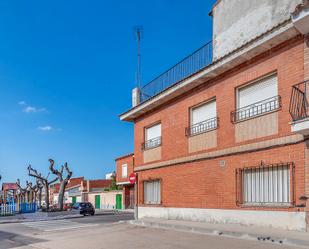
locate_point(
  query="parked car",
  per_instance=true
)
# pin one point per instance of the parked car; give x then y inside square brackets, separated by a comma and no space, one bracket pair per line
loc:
[67,206]
[84,208]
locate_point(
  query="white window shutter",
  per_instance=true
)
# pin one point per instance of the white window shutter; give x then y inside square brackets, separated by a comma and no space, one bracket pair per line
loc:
[258,91]
[153,132]
[203,112]
[267,185]
[124,170]
[152,192]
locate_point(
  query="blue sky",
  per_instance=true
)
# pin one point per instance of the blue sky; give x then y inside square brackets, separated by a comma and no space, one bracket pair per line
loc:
[67,69]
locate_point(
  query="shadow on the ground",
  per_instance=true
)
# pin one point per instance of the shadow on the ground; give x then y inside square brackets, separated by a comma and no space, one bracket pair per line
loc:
[14,240]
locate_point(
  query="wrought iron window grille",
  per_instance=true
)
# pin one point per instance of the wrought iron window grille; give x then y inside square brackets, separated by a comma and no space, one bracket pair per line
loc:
[265,176]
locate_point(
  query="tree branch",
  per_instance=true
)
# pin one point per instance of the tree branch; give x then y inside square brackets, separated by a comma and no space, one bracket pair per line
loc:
[53,181]
[22,190]
[56,172]
[70,173]
[34,173]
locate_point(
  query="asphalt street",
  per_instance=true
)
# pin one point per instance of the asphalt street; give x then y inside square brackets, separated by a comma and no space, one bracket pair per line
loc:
[107,217]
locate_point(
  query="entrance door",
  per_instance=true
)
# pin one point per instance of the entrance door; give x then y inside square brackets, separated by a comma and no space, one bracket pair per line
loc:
[118,201]
[73,199]
[132,198]
[97,202]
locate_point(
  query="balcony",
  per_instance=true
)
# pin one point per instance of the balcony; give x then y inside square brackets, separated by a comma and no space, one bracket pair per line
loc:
[190,65]
[202,127]
[299,108]
[257,109]
[152,143]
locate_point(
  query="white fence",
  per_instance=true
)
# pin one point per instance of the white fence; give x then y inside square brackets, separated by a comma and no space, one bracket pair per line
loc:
[7,209]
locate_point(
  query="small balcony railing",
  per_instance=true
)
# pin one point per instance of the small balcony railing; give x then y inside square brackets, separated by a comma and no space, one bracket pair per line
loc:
[257,109]
[299,101]
[190,65]
[152,143]
[202,127]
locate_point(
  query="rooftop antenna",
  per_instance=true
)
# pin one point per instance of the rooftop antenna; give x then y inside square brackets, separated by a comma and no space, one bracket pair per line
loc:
[138,31]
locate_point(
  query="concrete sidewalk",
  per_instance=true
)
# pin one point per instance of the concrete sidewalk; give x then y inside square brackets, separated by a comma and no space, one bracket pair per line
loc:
[266,234]
[112,211]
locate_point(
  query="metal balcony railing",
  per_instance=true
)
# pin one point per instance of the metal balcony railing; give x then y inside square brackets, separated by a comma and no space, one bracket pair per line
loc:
[185,68]
[202,127]
[151,143]
[256,109]
[299,101]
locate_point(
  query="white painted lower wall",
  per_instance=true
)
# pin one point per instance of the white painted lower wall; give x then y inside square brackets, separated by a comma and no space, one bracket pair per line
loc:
[107,199]
[276,219]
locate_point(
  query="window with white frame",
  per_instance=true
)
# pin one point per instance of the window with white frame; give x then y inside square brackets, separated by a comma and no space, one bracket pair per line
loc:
[266,185]
[257,98]
[152,136]
[203,118]
[152,192]
[124,171]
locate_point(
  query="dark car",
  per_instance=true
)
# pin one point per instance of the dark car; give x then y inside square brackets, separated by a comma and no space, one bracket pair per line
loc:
[84,208]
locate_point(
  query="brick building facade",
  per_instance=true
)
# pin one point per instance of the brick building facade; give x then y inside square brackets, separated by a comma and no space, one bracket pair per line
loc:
[124,167]
[228,143]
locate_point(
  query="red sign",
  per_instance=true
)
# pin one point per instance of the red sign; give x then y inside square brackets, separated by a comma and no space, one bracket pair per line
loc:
[132,178]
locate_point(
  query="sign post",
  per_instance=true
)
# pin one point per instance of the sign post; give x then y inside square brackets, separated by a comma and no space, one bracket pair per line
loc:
[133,180]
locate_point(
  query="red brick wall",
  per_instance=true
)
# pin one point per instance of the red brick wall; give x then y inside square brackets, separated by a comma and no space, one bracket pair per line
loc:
[204,184]
[287,61]
[99,183]
[129,160]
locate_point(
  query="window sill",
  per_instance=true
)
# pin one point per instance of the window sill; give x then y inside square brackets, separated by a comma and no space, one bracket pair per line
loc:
[150,148]
[151,205]
[267,205]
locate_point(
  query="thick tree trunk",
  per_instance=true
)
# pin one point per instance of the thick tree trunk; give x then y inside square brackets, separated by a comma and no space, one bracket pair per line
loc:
[63,181]
[61,194]
[40,198]
[46,195]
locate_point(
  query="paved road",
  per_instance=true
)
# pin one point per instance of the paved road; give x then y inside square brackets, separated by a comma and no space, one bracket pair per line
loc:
[56,225]
[87,221]
[101,232]
[107,217]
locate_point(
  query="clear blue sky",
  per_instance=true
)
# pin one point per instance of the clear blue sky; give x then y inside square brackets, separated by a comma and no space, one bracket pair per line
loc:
[67,69]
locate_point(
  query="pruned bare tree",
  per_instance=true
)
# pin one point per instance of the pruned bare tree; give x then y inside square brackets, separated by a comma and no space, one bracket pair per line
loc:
[33,189]
[45,182]
[63,180]
[39,187]
[22,191]
[29,193]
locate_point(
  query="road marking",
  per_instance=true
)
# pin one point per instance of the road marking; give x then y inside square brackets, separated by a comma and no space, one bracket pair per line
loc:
[56,225]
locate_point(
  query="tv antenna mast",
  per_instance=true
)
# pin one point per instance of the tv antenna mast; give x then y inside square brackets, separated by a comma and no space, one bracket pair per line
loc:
[138,31]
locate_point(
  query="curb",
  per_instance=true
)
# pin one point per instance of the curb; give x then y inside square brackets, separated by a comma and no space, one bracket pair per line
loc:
[229,234]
